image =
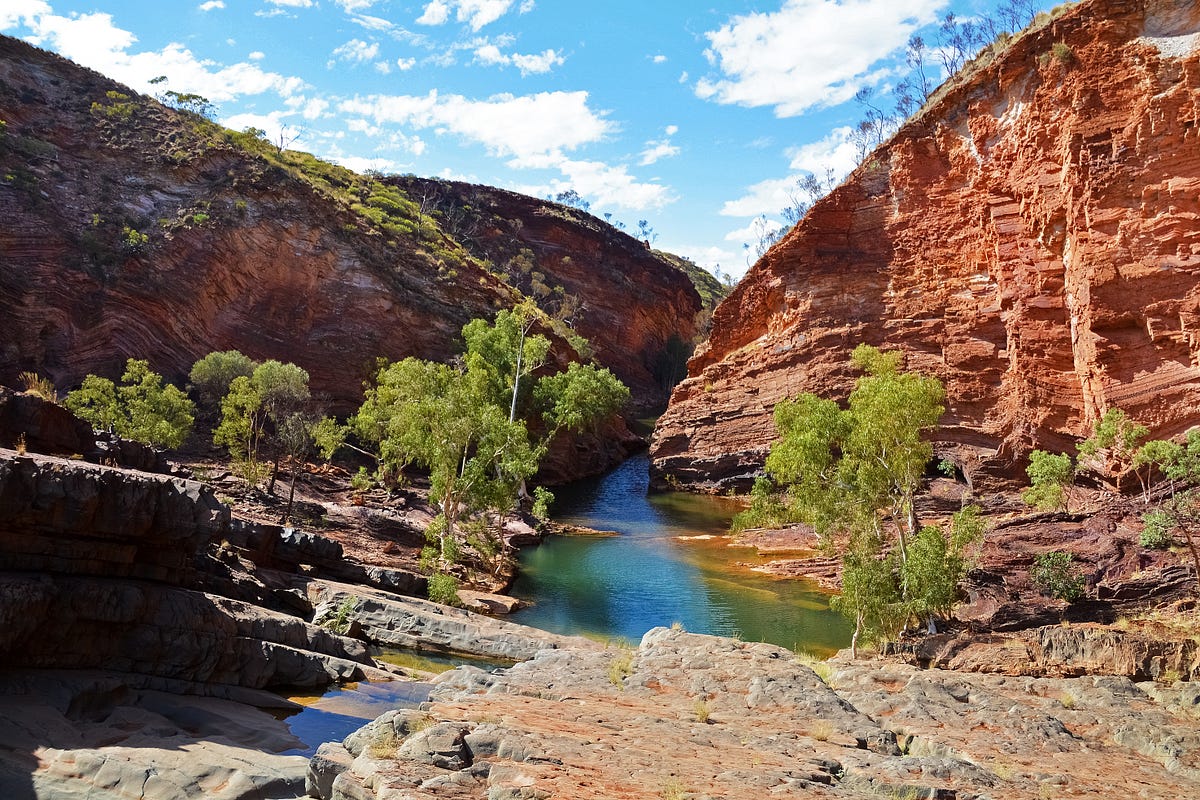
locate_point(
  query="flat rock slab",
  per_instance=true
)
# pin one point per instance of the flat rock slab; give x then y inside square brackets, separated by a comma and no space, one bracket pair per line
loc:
[66,735]
[695,716]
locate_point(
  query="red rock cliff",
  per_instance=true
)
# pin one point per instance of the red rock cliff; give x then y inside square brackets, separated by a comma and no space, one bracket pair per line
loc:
[1032,238]
[132,230]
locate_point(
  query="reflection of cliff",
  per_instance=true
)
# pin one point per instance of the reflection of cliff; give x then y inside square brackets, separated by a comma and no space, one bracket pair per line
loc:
[131,230]
[1031,239]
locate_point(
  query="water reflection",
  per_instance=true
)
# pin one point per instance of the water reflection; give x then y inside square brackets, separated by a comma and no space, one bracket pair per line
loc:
[621,586]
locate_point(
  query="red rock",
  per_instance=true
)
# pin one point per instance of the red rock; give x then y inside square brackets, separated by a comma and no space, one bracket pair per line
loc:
[1030,238]
[242,253]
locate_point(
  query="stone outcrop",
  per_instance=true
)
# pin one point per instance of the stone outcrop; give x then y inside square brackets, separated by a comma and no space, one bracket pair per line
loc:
[101,571]
[72,517]
[1030,238]
[107,736]
[699,716]
[278,258]
[1066,652]
[412,623]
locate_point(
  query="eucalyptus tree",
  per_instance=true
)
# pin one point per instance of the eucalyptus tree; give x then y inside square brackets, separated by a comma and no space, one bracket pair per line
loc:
[481,426]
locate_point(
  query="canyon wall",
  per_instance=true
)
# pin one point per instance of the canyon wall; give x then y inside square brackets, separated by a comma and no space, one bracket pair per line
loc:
[134,230]
[1031,238]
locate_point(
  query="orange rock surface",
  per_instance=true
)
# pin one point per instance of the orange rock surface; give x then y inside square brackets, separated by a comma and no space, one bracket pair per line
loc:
[1031,237]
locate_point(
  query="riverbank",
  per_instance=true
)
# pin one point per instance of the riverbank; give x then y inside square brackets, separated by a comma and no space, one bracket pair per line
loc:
[684,715]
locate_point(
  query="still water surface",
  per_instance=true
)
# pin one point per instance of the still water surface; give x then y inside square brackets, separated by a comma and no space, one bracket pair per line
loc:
[668,561]
[656,571]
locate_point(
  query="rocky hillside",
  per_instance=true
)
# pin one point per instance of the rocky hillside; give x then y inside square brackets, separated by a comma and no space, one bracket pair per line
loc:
[136,230]
[1030,238]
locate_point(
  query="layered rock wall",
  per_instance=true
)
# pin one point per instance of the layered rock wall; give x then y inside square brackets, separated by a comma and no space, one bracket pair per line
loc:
[279,258]
[1030,238]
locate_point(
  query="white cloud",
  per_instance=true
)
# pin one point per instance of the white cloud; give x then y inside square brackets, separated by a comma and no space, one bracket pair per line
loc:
[711,257]
[490,54]
[604,185]
[354,6]
[292,3]
[355,51]
[532,64]
[360,164]
[436,12]
[211,4]
[834,156]
[405,64]
[537,63]
[372,23]
[658,149]
[94,41]
[526,6]
[16,12]
[809,53]
[257,55]
[508,126]
[275,124]
[659,59]
[475,13]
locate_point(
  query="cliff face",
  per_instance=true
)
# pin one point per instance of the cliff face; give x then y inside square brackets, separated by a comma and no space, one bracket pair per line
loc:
[634,304]
[1031,238]
[133,230]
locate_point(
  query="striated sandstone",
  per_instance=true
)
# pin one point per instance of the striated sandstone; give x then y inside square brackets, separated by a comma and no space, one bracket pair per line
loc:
[243,253]
[1030,238]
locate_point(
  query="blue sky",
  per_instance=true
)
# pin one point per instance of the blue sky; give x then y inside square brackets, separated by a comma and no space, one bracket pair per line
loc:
[696,117]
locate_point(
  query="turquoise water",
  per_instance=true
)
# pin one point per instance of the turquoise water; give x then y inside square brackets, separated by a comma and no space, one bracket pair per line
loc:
[669,562]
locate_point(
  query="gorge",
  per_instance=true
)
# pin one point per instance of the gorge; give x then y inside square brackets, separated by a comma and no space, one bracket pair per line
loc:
[1031,237]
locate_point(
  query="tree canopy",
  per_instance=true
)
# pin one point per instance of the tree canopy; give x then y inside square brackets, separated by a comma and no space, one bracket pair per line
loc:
[480,427]
[847,472]
[141,408]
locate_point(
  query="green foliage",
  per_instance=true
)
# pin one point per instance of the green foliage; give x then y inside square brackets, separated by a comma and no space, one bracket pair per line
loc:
[211,376]
[362,480]
[118,107]
[461,423]
[1062,52]
[542,499]
[339,621]
[443,589]
[240,429]
[842,470]
[578,397]
[133,240]
[1116,433]
[329,436]
[141,408]
[766,507]
[1049,476]
[870,593]
[931,574]
[1054,574]
[1156,533]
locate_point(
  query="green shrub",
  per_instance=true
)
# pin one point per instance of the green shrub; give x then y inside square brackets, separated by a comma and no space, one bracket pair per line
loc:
[443,589]
[1061,51]
[1156,534]
[542,499]
[1049,476]
[1053,573]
